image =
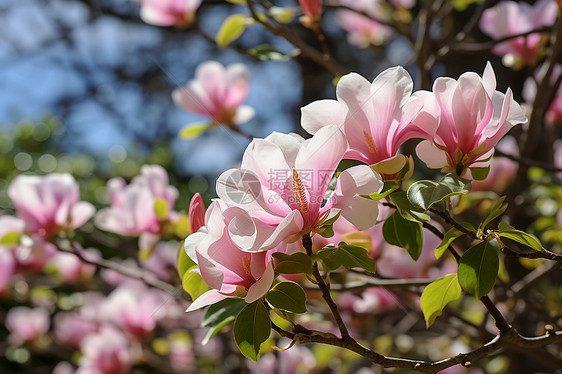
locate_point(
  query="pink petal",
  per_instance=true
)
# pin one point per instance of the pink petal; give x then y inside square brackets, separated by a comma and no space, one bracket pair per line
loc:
[322,113]
[290,225]
[433,157]
[261,287]
[208,298]
[80,213]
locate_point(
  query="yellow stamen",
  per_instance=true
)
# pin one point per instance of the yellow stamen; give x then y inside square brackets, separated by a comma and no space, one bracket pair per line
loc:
[370,142]
[299,192]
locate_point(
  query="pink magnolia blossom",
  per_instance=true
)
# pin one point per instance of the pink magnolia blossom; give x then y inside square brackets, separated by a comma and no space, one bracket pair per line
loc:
[50,203]
[217,92]
[132,210]
[196,213]
[474,117]
[311,8]
[134,309]
[364,31]
[7,269]
[169,12]
[70,268]
[71,328]
[105,352]
[26,325]
[228,270]
[371,300]
[511,18]
[289,180]
[376,118]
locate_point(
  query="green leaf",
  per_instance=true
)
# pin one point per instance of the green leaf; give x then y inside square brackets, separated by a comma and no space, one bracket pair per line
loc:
[194,285]
[238,2]
[232,28]
[461,5]
[346,255]
[479,173]
[449,237]
[219,315]
[403,233]
[496,210]
[425,193]
[251,328]
[437,295]
[510,232]
[287,296]
[295,263]
[478,268]
[328,231]
[388,188]
[282,14]
[193,130]
[10,239]
[268,53]
[408,210]
[160,208]
[184,262]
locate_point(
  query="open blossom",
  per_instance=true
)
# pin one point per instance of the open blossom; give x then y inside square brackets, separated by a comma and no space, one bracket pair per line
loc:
[132,210]
[511,18]
[474,117]
[363,31]
[377,118]
[26,325]
[217,92]
[70,268]
[290,177]
[49,204]
[222,265]
[70,328]
[169,12]
[105,352]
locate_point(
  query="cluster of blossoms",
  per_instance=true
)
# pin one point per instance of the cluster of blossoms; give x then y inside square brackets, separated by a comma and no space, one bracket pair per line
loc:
[280,192]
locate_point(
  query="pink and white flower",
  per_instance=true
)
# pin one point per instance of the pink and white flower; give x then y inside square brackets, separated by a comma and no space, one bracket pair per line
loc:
[364,31]
[26,325]
[553,115]
[474,117]
[290,177]
[49,204]
[228,270]
[180,13]
[217,92]
[132,210]
[105,352]
[376,118]
[511,18]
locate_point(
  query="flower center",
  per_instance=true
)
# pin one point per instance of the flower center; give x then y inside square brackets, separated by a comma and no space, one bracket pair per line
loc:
[299,192]
[370,142]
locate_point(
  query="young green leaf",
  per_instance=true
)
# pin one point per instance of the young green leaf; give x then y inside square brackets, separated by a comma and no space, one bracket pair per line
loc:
[510,232]
[194,285]
[449,237]
[348,256]
[437,295]
[478,268]
[10,239]
[193,130]
[388,188]
[403,233]
[251,328]
[287,296]
[425,193]
[295,263]
[496,210]
[479,173]
[184,262]
[219,315]
[161,208]
[406,209]
[232,28]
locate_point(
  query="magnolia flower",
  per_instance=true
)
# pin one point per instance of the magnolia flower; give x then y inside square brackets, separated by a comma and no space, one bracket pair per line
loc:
[363,31]
[511,18]
[217,92]
[105,352]
[49,204]
[139,207]
[26,325]
[196,213]
[502,169]
[71,328]
[311,8]
[222,265]
[169,12]
[289,180]
[134,309]
[376,118]
[7,269]
[70,268]
[474,117]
